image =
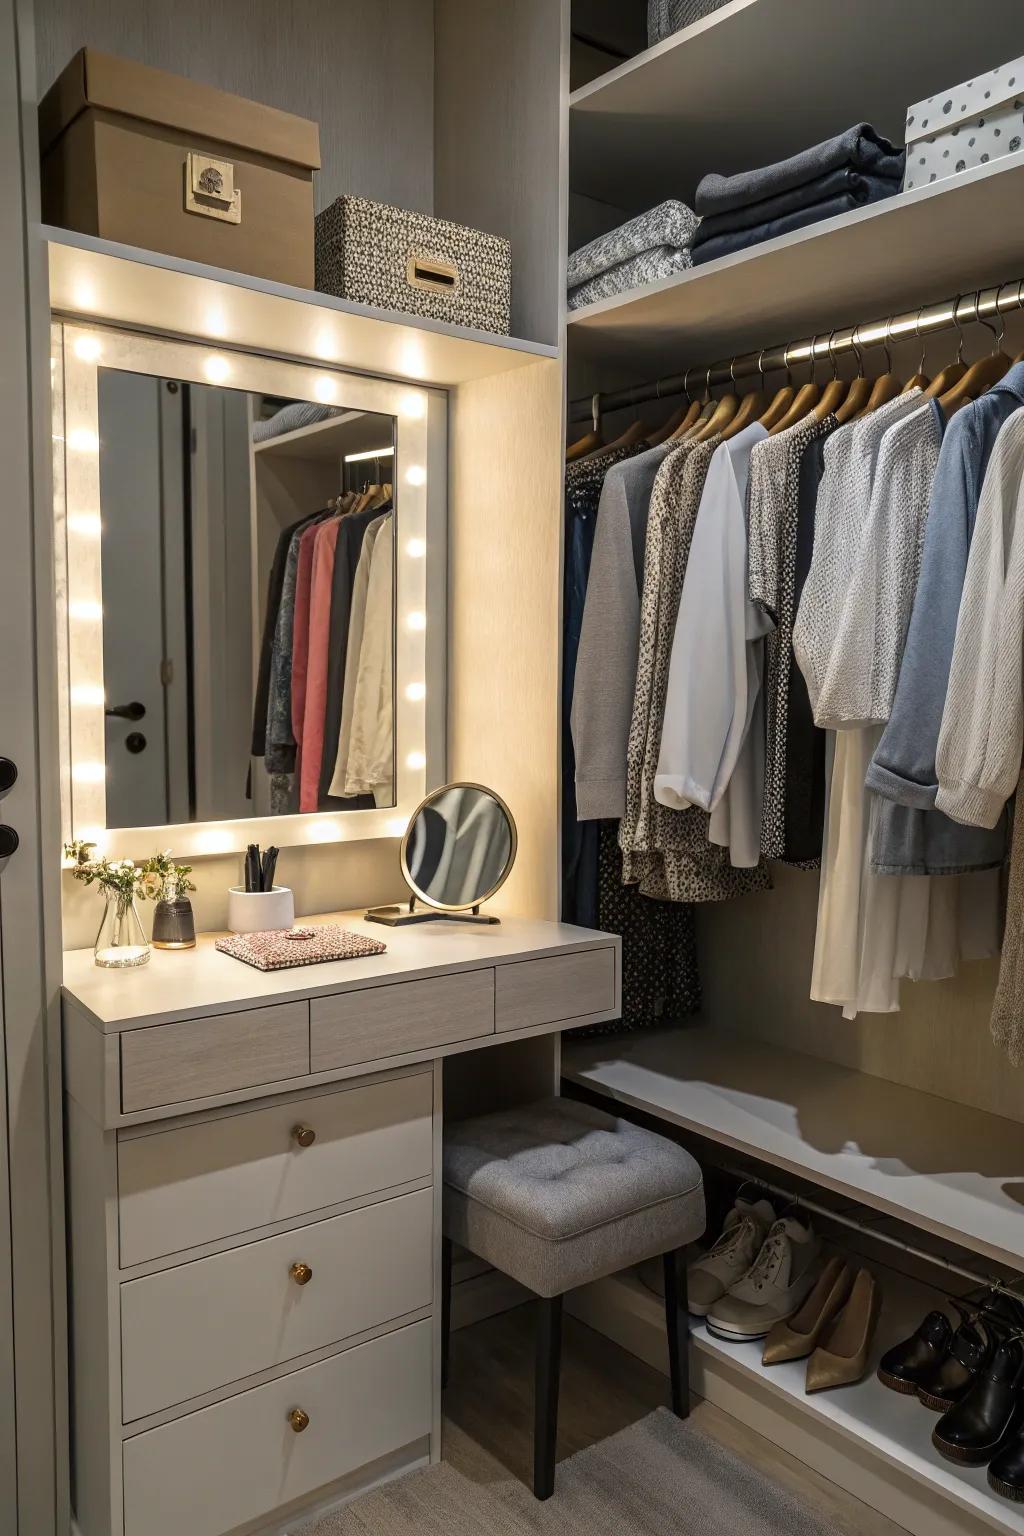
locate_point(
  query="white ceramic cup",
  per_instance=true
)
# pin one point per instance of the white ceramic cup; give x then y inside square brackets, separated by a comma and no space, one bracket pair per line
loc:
[260,911]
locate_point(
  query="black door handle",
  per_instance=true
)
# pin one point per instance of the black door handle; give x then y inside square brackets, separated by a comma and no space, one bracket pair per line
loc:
[132,711]
[8,774]
[8,842]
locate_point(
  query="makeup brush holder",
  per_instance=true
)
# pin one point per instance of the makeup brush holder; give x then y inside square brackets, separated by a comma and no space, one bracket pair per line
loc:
[260,911]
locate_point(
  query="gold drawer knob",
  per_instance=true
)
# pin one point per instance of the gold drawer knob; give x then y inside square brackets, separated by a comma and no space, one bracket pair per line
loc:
[301,1274]
[303,1135]
[298,1419]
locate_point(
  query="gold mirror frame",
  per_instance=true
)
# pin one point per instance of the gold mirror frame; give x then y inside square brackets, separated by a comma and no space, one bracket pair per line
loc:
[396,916]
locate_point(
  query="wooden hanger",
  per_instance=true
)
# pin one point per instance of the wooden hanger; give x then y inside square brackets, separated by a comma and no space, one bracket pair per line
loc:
[887,386]
[586,444]
[981,375]
[947,377]
[807,397]
[634,433]
[723,413]
[750,409]
[835,391]
[780,401]
[859,392]
[920,379]
[679,421]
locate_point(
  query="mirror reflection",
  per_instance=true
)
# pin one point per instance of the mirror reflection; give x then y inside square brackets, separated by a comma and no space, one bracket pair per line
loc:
[460,845]
[248,569]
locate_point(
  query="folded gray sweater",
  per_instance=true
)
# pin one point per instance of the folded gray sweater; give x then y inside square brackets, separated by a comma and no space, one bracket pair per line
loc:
[860,148]
[671,223]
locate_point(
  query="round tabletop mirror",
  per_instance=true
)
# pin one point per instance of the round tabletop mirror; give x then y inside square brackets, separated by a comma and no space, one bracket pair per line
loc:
[458,850]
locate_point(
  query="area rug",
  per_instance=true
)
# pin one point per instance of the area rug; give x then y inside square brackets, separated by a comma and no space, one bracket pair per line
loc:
[660,1477]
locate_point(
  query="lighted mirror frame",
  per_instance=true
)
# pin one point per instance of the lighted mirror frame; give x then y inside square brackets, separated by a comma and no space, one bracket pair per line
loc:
[420,463]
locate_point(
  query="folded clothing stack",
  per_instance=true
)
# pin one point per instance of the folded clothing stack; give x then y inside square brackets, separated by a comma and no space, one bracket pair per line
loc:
[844,173]
[654,244]
[667,16]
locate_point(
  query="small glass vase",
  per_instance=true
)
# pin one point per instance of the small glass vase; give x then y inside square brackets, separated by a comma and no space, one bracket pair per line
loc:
[121,942]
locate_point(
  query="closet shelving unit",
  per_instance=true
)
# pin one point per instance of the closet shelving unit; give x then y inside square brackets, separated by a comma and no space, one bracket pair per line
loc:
[914,1138]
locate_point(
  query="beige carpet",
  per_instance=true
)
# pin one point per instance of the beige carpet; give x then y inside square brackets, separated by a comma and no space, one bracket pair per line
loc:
[660,1477]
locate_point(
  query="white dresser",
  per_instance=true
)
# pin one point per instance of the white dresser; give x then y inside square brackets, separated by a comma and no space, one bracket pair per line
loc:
[253,1168]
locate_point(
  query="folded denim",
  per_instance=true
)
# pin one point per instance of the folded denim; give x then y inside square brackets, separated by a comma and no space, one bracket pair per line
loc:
[670,223]
[860,148]
[637,272]
[860,188]
[832,207]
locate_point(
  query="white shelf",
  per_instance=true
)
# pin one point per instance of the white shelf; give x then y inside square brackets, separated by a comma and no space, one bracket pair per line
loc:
[894,1429]
[760,80]
[915,248]
[331,439]
[953,1171]
[145,290]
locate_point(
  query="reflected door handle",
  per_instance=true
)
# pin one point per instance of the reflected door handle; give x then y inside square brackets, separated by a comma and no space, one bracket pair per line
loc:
[8,842]
[132,711]
[8,774]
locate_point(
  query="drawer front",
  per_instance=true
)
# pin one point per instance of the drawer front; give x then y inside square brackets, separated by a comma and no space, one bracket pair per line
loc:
[188,1330]
[378,1022]
[171,1063]
[532,992]
[211,1179]
[240,1460]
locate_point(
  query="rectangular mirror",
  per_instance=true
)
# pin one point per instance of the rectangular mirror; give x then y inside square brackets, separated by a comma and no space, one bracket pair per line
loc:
[243,593]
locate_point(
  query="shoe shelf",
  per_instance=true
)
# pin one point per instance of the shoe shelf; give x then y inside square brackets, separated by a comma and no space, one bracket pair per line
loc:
[876,1424]
[943,1167]
[912,249]
[759,80]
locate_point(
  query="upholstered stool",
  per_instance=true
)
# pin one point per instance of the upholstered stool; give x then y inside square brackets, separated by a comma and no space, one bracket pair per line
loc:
[557,1194]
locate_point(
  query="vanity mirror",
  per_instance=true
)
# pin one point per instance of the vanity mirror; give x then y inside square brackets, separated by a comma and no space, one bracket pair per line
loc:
[250,570]
[458,851]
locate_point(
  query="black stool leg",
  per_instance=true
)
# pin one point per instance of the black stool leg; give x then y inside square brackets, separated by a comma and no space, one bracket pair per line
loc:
[545,1407]
[446,1306]
[677,1322]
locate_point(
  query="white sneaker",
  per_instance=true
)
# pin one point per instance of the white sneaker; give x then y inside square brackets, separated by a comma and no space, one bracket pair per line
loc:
[730,1256]
[775,1286]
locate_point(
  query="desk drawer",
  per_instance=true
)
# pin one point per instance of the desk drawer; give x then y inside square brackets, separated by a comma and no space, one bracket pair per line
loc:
[532,992]
[188,1330]
[228,1465]
[211,1179]
[377,1022]
[172,1063]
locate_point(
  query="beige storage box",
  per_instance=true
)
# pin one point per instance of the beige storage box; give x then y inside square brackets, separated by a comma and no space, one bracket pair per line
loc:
[147,158]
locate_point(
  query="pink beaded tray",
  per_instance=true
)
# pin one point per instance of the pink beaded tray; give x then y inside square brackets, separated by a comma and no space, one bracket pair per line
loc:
[279,949]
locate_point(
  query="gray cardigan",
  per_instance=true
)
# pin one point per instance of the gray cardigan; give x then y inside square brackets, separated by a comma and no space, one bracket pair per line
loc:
[602,701]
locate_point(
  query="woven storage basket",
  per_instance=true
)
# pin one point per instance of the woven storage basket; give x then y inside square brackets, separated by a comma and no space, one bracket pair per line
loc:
[667,16]
[375,254]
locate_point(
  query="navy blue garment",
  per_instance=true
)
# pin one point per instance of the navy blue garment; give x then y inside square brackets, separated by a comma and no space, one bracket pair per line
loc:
[831,208]
[842,182]
[859,147]
[579,838]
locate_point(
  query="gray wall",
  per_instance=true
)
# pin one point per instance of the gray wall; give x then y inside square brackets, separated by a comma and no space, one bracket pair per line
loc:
[324,59]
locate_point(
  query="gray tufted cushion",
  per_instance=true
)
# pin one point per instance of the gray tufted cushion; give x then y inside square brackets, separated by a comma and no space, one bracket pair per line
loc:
[559,1193]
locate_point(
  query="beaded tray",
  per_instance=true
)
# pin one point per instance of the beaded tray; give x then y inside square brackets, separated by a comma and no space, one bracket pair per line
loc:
[280,948]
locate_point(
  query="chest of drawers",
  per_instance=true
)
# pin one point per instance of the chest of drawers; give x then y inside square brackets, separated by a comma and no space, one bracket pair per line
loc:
[254,1212]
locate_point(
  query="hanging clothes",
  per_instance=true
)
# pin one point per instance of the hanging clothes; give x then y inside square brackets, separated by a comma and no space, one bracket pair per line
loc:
[356,631]
[346,558]
[300,634]
[370,764]
[712,740]
[315,707]
[279,753]
[1008,1004]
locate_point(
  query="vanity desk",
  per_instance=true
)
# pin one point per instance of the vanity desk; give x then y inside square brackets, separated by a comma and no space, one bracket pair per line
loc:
[253,1168]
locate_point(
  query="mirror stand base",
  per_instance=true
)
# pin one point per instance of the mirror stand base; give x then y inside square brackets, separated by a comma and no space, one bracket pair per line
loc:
[397,917]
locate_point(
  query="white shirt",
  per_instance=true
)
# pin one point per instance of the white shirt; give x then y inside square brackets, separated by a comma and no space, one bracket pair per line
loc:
[369,767]
[712,739]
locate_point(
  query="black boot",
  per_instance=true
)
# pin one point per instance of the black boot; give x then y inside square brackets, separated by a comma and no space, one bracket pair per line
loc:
[906,1365]
[976,1429]
[970,1351]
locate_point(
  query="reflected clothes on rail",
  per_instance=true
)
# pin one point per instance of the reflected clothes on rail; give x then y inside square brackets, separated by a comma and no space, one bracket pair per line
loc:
[316,666]
[346,559]
[353,650]
[368,764]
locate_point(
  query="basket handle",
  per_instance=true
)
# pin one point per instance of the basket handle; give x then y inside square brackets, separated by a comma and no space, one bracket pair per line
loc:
[431,273]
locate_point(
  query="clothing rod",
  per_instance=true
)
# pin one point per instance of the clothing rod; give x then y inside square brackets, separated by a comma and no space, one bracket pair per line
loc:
[969,307]
[867,1230]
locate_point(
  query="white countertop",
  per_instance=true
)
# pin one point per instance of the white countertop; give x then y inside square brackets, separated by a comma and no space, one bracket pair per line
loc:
[178,984]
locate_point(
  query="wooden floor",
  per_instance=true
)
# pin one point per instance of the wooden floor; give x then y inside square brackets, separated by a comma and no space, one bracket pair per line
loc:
[489,1413]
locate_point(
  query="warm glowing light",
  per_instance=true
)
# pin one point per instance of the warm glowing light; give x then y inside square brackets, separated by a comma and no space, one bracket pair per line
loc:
[370,453]
[324,832]
[325,346]
[416,760]
[89,773]
[415,475]
[215,322]
[87,348]
[412,358]
[83,440]
[416,548]
[413,405]
[216,368]
[325,388]
[88,694]
[416,620]
[416,691]
[397,826]
[95,835]
[214,840]
[88,612]
[87,525]
[84,294]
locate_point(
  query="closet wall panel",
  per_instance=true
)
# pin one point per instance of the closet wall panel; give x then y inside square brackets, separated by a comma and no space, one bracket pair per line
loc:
[364,72]
[500,140]
[504,522]
[939,1042]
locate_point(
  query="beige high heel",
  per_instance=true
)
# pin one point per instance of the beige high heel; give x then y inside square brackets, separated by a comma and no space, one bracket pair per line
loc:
[843,1359]
[795,1337]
